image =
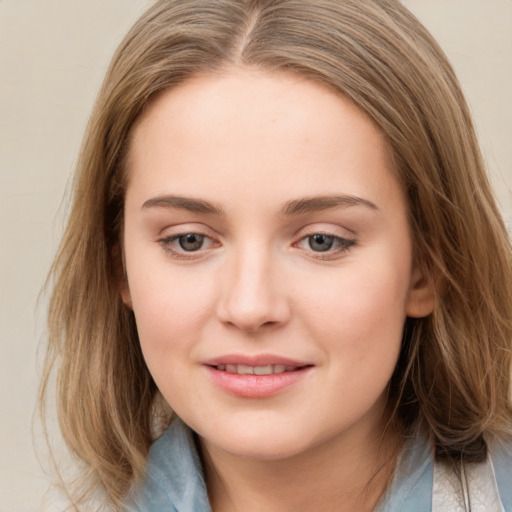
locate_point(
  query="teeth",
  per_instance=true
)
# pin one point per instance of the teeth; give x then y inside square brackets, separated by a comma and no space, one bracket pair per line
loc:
[264,370]
[243,369]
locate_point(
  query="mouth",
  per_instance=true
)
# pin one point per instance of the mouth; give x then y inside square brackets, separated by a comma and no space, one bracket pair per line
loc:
[270,369]
[256,377]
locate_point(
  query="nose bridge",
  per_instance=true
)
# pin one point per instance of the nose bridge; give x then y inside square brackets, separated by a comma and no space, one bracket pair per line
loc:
[252,297]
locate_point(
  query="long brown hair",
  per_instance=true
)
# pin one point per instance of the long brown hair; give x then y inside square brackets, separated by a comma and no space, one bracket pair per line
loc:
[453,377]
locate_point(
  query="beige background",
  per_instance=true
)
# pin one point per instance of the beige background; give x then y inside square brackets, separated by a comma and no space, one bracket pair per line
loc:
[53,54]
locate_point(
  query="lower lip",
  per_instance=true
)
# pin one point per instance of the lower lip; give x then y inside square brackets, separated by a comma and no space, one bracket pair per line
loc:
[256,386]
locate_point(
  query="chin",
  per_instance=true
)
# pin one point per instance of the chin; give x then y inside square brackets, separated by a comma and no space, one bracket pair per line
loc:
[251,441]
[264,450]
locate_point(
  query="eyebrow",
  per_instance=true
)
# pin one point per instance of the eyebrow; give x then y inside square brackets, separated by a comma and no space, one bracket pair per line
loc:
[183,203]
[295,207]
[314,204]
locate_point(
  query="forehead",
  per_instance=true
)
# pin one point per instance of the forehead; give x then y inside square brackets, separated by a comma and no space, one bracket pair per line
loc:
[245,127]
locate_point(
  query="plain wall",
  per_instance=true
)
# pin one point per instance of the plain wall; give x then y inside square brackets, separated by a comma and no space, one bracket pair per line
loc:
[53,54]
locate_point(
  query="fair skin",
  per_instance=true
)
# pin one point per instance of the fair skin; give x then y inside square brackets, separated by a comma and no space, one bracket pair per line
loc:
[265,232]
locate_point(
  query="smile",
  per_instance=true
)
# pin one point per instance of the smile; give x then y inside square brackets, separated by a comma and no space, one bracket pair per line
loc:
[243,369]
[256,376]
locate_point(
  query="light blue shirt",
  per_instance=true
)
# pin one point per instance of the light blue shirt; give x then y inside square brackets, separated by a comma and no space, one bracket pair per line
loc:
[175,480]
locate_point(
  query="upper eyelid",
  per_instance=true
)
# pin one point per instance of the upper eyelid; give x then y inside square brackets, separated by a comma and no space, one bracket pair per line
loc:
[184,229]
[176,236]
[349,241]
[335,230]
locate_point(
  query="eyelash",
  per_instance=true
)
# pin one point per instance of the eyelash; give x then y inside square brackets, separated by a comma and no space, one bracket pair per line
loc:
[168,241]
[342,245]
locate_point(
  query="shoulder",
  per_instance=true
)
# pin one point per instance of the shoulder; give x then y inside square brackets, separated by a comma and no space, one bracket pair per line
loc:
[174,476]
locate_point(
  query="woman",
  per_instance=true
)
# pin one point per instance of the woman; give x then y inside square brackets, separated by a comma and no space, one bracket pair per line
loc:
[283,232]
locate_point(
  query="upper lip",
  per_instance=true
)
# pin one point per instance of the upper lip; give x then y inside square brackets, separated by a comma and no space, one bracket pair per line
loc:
[257,360]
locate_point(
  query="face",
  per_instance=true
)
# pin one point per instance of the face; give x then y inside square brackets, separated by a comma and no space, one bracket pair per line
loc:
[268,260]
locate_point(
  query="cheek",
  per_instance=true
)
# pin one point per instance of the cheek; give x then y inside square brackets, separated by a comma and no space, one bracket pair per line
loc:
[173,313]
[366,294]
[359,312]
[170,308]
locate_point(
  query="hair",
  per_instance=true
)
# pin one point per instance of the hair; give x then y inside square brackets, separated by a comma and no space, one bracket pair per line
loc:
[452,380]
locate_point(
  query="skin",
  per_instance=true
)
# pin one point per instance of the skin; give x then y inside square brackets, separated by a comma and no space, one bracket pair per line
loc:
[252,144]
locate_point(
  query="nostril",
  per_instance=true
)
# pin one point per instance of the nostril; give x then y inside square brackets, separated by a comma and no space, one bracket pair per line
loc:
[253,327]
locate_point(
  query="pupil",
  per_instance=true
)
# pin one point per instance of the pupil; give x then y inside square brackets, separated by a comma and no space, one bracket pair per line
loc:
[321,243]
[191,242]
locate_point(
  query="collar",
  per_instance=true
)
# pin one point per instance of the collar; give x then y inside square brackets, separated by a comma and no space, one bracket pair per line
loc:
[174,481]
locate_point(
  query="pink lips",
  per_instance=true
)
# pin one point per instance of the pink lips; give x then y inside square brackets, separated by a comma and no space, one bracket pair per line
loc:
[255,376]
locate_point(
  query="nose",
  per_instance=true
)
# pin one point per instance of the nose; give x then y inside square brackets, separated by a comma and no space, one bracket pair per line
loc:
[253,293]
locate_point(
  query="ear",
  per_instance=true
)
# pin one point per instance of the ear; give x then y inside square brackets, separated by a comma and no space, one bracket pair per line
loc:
[124,291]
[120,275]
[422,295]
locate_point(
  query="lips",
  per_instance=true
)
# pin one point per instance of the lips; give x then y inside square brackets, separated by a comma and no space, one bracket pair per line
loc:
[255,376]
[255,361]
[243,369]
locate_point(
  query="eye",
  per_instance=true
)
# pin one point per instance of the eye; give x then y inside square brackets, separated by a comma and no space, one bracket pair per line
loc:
[320,243]
[191,242]
[325,245]
[187,245]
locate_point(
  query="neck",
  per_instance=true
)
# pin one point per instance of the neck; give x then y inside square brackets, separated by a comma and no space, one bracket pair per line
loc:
[348,473]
